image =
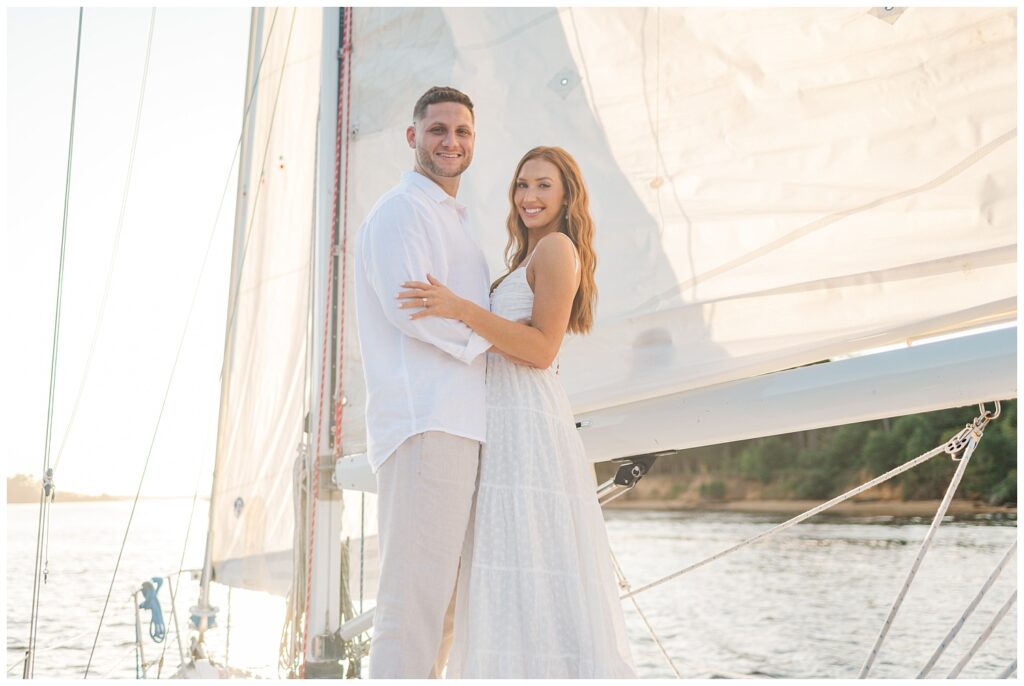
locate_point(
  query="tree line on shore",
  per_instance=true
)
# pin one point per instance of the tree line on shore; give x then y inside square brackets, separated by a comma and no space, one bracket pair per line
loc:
[823,463]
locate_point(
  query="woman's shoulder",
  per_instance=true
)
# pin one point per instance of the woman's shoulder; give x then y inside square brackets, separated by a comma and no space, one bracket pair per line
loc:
[556,244]
[557,250]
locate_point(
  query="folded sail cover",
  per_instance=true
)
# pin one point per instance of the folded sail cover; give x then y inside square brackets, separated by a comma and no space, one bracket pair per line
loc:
[771,188]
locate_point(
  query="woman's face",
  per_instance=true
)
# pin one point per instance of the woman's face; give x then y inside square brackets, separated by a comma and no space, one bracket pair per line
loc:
[539,196]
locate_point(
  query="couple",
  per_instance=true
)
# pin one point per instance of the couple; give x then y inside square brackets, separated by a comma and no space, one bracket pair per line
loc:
[492,543]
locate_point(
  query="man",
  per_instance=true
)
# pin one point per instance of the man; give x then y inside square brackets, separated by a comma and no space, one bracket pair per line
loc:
[425,410]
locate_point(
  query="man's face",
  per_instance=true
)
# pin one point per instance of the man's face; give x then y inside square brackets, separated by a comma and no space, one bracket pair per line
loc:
[443,139]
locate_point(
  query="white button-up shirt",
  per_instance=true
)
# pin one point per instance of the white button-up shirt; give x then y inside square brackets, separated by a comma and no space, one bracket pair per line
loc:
[425,374]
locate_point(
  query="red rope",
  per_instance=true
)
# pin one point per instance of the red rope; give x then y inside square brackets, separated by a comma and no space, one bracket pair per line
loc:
[315,476]
[339,407]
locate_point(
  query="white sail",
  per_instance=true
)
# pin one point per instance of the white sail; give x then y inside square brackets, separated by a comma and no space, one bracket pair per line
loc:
[771,187]
[264,394]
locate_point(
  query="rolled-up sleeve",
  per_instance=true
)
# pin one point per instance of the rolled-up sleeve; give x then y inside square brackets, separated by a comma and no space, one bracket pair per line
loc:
[399,245]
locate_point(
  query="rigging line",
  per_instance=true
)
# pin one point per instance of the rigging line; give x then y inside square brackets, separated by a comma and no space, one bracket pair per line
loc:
[44,495]
[34,610]
[163,405]
[117,241]
[967,613]
[791,522]
[181,564]
[624,584]
[922,551]
[955,672]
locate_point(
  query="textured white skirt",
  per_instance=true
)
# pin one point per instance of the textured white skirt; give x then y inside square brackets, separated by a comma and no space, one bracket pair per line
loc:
[537,596]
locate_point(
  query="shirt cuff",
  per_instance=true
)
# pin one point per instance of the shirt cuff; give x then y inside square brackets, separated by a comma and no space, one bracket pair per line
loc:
[477,344]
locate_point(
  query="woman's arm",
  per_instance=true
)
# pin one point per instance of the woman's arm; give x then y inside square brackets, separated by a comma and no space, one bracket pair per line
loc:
[555,284]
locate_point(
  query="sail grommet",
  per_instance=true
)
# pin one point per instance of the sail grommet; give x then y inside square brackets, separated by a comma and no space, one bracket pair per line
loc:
[564,82]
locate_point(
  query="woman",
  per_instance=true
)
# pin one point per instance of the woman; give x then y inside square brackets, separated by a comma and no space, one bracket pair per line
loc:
[536,595]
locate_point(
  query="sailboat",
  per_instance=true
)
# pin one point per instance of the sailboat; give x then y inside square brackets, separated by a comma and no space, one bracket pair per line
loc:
[777,192]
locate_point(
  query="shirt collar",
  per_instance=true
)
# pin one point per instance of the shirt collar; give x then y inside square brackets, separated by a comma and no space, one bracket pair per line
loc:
[433,191]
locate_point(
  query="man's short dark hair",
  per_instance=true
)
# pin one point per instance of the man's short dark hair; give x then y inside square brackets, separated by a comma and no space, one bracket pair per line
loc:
[440,94]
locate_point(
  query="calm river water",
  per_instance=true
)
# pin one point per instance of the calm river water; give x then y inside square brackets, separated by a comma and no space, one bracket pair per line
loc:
[805,603]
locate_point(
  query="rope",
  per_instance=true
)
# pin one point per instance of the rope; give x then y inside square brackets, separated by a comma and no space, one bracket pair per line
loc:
[967,613]
[346,69]
[975,436]
[1008,672]
[44,504]
[157,628]
[624,583]
[790,522]
[955,672]
[315,473]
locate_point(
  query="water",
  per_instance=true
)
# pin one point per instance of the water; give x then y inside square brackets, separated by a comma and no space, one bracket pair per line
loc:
[805,603]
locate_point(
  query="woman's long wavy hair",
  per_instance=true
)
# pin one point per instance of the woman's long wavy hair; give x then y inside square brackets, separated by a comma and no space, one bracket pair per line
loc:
[576,224]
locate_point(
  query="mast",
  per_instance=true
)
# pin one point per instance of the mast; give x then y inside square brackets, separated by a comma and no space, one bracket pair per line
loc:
[255,30]
[322,650]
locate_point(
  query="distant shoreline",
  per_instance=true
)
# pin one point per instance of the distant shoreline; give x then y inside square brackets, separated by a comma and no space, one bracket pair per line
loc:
[876,508]
[68,498]
[24,489]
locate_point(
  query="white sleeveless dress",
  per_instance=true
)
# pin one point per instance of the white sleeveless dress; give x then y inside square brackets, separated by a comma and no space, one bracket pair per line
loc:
[537,596]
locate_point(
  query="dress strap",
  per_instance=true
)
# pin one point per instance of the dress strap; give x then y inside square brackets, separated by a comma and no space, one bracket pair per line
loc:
[526,262]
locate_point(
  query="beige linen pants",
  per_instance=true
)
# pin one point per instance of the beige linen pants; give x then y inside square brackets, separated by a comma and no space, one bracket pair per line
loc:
[424,497]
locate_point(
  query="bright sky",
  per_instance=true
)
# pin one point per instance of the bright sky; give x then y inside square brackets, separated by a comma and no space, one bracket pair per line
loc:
[189,129]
